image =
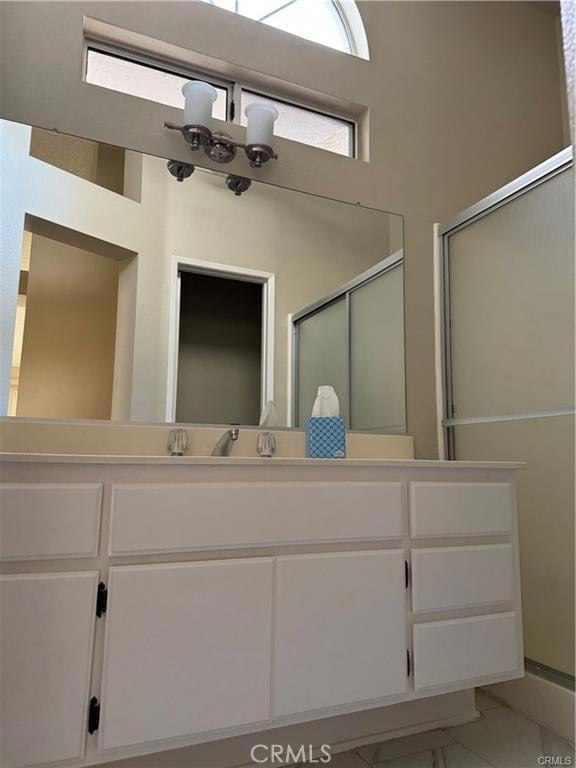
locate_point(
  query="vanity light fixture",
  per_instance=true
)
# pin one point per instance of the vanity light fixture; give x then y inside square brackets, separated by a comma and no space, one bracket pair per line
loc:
[219,146]
[179,170]
[236,184]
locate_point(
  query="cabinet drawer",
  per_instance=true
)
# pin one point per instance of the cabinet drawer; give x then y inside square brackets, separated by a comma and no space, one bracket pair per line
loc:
[460,509]
[466,650]
[49,520]
[171,518]
[461,577]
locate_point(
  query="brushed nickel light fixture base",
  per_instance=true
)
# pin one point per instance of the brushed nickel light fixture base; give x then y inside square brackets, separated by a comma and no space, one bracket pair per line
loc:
[220,147]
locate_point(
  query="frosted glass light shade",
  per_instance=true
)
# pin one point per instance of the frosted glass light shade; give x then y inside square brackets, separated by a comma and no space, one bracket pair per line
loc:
[198,100]
[260,126]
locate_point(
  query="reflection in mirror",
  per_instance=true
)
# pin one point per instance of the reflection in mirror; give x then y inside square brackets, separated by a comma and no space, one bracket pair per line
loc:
[351,339]
[130,295]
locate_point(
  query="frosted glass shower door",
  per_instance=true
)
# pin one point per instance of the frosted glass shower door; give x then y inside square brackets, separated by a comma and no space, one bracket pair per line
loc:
[323,357]
[377,399]
[512,305]
[353,339]
[509,292]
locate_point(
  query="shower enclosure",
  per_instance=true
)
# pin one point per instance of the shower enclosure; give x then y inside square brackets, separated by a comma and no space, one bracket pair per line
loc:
[507,294]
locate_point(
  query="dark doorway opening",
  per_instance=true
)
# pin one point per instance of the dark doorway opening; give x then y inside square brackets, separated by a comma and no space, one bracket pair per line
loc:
[219,350]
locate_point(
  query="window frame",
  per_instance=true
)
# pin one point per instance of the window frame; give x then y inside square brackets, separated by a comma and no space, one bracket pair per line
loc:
[234,89]
[349,121]
[157,63]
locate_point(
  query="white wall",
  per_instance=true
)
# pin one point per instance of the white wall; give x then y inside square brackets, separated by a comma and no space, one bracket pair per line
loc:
[461,96]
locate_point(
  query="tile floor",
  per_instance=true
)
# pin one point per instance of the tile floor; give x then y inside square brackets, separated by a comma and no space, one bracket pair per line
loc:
[500,739]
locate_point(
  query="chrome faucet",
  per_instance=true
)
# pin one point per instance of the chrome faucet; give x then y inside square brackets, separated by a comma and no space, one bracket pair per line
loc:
[224,444]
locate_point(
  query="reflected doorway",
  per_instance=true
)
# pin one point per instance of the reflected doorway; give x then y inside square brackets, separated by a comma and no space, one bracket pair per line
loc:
[221,345]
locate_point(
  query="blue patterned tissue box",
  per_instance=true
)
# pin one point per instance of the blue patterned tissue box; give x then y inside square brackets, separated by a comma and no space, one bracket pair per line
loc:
[326,437]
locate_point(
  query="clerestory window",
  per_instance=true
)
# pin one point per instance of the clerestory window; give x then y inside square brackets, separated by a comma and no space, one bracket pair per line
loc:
[333,23]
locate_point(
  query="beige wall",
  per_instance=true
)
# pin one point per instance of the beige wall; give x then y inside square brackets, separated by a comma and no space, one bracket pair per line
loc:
[67,364]
[72,154]
[458,104]
[99,163]
[109,438]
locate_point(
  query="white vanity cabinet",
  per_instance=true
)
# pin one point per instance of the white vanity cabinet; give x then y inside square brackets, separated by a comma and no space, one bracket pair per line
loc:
[340,630]
[476,577]
[463,650]
[238,596]
[41,521]
[447,578]
[188,646]
[187,650]
[46,638]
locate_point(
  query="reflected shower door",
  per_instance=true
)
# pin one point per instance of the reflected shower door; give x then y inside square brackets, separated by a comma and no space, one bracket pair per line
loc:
[323,358]
[509,293]
[353,339]
[377,398]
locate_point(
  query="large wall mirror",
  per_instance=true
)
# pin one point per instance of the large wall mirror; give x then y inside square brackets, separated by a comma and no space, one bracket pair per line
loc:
[134,296]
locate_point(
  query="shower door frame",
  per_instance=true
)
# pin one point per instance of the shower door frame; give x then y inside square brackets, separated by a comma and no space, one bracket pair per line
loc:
[444,401]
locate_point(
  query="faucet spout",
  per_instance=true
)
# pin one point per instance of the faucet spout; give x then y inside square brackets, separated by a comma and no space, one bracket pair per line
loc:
[224,445]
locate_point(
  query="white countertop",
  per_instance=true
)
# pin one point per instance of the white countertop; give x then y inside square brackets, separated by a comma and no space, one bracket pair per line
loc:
[76,458]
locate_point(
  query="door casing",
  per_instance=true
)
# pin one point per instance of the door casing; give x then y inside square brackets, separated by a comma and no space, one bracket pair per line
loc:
[266,279]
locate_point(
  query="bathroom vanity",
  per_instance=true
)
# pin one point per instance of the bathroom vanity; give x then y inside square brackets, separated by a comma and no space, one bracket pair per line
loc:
[150,603]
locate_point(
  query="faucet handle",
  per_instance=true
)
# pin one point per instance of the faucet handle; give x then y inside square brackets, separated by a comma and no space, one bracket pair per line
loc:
[177,444]
[266,444]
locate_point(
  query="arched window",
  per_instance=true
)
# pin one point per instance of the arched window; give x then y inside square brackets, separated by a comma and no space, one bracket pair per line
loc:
[334,23]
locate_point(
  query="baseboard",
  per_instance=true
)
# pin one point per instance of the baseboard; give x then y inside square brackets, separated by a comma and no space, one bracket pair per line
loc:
[541,700]
[342,733]
[431,725]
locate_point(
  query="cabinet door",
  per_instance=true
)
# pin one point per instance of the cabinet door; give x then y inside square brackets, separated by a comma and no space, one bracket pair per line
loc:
[187,649]
[46,639]
[340,632]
